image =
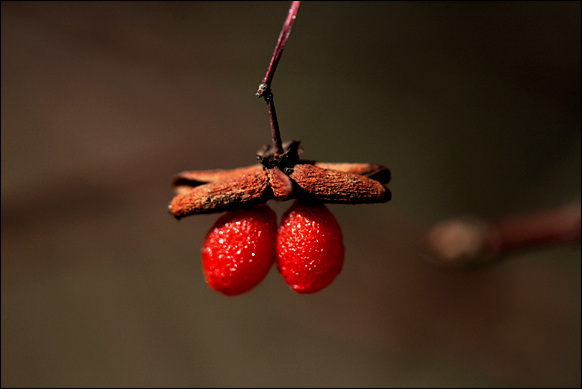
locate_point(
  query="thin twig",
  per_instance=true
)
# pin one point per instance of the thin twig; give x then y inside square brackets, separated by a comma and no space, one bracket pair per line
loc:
[285,32]
[265,86]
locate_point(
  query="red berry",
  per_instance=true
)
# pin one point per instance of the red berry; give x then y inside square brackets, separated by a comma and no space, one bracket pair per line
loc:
[310,250]
[239,249]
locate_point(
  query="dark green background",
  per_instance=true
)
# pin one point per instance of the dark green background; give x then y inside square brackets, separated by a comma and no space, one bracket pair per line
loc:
[475,107]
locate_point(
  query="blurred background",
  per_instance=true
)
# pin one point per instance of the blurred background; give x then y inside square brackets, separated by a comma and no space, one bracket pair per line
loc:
[475,107]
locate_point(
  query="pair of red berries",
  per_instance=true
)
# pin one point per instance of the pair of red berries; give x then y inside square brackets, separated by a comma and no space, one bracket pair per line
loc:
[242,246]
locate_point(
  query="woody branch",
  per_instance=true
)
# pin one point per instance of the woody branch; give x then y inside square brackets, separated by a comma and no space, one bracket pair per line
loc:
[466,243]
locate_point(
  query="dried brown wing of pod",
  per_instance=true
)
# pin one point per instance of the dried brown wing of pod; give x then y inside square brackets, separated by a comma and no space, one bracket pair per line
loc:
[377,172]
[219,196]
[280,183]
[335,186]
[193,178]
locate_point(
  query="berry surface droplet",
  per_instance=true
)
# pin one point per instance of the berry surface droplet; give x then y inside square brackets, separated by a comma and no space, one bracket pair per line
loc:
[239,249]
[310,250]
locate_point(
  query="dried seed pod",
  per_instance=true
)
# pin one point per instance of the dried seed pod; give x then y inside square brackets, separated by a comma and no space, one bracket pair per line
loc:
[281,176]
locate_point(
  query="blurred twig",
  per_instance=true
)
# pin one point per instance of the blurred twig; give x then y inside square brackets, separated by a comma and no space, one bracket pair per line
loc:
[470,242]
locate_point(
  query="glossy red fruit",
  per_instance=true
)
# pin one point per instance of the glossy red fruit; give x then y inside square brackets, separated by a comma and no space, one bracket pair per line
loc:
[310,250]
[239,249]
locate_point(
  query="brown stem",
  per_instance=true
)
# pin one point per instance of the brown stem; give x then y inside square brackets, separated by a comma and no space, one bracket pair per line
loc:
[466,243]
[265,86]
[276,135]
